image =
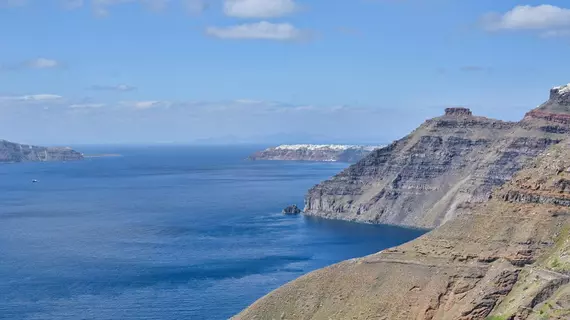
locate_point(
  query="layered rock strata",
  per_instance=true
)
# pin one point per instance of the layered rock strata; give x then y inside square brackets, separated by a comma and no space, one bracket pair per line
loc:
[445,165]
[509,258]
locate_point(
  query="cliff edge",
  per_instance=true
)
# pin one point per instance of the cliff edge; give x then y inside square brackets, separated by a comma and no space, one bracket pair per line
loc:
[449,162]
[508,258]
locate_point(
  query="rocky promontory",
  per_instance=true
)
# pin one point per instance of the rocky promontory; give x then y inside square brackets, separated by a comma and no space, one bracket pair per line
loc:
[508,257]
[449,162]
[312,152]
[498,194]
[15,152]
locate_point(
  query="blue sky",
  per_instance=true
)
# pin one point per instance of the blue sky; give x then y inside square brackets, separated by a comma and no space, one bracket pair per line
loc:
[350,71]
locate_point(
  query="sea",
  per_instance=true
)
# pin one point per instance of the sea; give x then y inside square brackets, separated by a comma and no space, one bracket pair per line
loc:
[163,232]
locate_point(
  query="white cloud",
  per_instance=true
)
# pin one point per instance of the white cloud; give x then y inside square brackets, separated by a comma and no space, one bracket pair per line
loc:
[101,7]
[249,101]
[33,97]
[261,30]
[259,8]
[39,97]
[145,104]
[87,105]
[119,87]
[149,104]
[547,19]
[43,63]
[39,63]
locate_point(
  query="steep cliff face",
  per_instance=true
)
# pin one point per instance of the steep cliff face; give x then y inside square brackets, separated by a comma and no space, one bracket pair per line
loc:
[509,258]
[310,152]
[428,177]
[15,152]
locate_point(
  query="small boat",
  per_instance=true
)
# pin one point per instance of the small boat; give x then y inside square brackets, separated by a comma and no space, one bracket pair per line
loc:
[34,181]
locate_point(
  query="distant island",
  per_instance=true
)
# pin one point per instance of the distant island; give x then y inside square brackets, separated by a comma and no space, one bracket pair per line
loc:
[314,152]
[15,152]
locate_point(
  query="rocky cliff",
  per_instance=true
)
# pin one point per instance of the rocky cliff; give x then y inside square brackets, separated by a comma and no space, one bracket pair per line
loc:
[15,152]
[509,258]
[449,162]
[311,152]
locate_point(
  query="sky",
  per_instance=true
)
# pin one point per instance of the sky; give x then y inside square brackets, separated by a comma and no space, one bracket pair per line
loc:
[269,71]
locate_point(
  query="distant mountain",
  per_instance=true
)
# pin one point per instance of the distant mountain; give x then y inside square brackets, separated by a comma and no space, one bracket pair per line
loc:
[314,152]
[15,152]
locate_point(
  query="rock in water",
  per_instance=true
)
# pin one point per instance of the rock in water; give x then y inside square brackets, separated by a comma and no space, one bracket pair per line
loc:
[15,152]
[434,173]
[292,209]
[506,258]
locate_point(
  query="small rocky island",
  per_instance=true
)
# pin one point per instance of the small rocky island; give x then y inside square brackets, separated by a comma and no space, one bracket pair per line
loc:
[312,152]
[291,210]
[15,152]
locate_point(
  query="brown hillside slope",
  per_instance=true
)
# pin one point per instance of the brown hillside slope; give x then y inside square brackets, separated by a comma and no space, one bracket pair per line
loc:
[426,178]
[509,256]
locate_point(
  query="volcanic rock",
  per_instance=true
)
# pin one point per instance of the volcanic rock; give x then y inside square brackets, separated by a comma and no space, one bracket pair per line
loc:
[291,210]
[507,258]
[434,173]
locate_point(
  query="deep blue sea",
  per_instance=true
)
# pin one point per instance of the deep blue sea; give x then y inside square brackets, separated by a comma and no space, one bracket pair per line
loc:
[163,233]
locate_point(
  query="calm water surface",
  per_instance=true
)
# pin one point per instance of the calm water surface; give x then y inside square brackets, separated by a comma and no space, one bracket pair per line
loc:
[163,233]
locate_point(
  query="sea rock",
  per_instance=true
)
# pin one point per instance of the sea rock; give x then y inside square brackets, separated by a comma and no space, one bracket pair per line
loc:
[507,257]
[311,152]
[15,152]
[430,176]
[291,210]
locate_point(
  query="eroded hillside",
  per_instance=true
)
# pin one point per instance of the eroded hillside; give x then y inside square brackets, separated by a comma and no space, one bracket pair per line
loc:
[506,258]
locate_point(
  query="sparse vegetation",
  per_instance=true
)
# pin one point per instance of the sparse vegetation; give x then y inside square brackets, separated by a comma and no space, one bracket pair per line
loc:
[555,264]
